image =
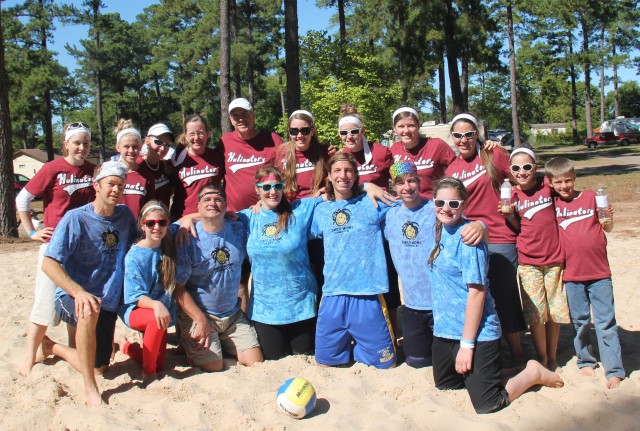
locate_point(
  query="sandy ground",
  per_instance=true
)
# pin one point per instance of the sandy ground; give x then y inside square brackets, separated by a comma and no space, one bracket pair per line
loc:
[357,397]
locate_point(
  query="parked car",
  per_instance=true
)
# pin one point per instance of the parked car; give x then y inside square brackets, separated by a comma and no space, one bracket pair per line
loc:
[507,141]
[19,181]
[609,138]
[496,135]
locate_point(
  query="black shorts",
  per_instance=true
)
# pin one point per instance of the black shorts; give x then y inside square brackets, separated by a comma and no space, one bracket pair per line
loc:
[392,298]
[246,266]
[105,328]
[417,332]
[315,247]
[278,341]
[483,382]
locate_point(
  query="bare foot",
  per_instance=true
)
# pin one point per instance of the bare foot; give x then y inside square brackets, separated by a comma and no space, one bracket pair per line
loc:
[45,350]
[543,376]
[24,369]
[588,371]
[613,382]
[93,398]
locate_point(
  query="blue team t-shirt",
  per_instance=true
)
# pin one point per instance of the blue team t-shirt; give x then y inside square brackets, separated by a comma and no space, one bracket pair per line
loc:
[210,267]
[456,266]
[354,261]
[283,288]
[142,278]
[411,236]
[91,249]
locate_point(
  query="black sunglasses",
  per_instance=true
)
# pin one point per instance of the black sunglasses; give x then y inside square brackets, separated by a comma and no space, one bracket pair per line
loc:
[352,131]
[526,167]
[454,204]
[163,222]
[267,187]
[304,130]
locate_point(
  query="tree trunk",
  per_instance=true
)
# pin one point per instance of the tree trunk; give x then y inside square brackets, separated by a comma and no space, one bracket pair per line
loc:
[587,75]
[615,81]
[8,221]
[292,55]
[225,71]
[452,59]
[464,85]
[47,122]
[515,123]
[342,21]
[99,115]
[233,35]
[442,90]
[574,93]
[251,90]
[602,101]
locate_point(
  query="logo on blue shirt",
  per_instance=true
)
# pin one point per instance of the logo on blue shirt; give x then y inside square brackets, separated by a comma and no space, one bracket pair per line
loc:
[221,256]
[341,218]
[270,230]
[110,238]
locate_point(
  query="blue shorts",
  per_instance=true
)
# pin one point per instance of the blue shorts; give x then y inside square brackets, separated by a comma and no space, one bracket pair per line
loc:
[105,328]
[343,319]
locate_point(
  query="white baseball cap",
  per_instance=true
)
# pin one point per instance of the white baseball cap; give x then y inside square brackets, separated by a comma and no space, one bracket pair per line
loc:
[158,130]
[241,103]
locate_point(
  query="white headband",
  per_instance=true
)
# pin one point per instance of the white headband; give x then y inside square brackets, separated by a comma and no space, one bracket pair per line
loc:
[404,109]
[525,151]
[350,119]
[302,111]
[151,208]
[129,131]
[467,117]
[112,168]
[69,133]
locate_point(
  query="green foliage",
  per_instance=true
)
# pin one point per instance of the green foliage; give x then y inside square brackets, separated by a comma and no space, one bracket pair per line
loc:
[337,74]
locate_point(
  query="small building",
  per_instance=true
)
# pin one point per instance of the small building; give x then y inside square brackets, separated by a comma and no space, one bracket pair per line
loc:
[548,129]
[28,162]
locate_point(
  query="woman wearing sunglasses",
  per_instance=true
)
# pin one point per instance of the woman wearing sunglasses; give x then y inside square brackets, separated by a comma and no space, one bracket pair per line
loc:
[282,303]
[139,186]
[148,285]
[63,184]
[430,155]
[153,164]
[466,329]
[482,171]
[303,160]
[200,165]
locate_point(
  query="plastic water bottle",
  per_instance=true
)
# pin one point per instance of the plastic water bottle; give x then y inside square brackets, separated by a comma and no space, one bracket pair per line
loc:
[506,191]
[602,202]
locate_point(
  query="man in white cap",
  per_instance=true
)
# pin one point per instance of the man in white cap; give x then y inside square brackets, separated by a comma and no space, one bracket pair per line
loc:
[245,150]
[85,258]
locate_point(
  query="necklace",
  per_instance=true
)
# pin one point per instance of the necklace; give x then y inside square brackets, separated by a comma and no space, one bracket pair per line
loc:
[149,166]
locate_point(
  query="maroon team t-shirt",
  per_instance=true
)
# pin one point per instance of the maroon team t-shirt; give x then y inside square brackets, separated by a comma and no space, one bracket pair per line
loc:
[538,242]
[305,169]
[242,159]
[188,177]
[582,238]
[483,199]
[162,180]
[138,189]
[376,170]
[431,157]
[62,187]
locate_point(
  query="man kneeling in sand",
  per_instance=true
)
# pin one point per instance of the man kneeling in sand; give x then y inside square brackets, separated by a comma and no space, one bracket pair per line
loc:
[85,258]
[208,271]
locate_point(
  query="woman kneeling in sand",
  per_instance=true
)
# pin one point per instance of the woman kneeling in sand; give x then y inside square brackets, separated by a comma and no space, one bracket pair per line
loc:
[466,346]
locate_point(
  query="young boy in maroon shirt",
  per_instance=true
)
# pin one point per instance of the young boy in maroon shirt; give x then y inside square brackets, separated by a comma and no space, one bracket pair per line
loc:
[587,275]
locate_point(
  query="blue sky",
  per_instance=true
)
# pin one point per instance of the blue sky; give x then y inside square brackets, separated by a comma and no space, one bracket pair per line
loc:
[310,17]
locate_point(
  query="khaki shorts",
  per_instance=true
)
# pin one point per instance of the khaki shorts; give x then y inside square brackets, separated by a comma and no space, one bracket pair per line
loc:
[543,295]
[233,334]
[43,311]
